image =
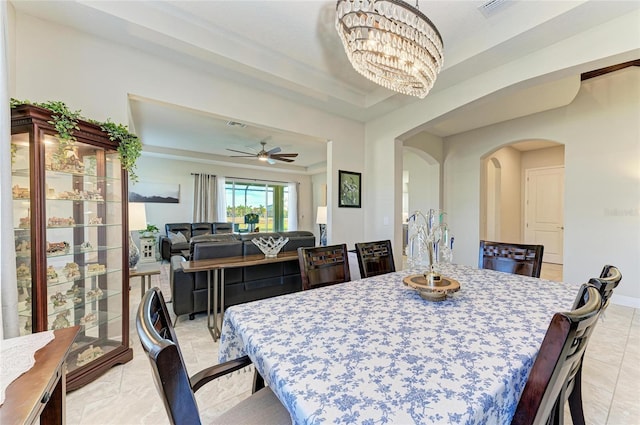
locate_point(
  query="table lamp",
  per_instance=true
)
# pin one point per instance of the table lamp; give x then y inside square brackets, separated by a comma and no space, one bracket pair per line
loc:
[137,221]
[321,220]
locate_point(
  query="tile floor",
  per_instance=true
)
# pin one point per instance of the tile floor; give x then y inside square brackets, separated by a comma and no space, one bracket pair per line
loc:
[126,394]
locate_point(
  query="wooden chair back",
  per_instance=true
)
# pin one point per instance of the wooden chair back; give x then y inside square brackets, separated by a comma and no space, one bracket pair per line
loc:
[323,265]
[514,258]
[605,284]
[551,378]
[159,341]
[375,258]
[609,279]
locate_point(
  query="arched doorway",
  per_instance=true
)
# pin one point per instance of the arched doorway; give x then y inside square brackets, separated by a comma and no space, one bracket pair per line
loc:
[518,180]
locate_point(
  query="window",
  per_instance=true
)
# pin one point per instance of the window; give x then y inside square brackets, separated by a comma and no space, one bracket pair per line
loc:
[268,200]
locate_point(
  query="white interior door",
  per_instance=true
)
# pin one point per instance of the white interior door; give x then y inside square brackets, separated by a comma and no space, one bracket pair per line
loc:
[544,211]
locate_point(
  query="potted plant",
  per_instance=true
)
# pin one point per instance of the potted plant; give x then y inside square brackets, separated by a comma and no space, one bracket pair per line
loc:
[65,122]
[150,231]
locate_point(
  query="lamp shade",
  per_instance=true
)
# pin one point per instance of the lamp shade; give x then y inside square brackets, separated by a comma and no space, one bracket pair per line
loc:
[321,215]
[137,216]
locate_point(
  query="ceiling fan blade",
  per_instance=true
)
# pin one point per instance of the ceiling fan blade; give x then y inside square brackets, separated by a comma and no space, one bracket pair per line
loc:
[270,161]
[242,156]
[277,158]
[289,155]
[246,153]
[274,150]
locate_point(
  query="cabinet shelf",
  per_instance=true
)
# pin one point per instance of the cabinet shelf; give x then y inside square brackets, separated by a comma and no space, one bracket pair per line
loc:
[71,239]
[63,279]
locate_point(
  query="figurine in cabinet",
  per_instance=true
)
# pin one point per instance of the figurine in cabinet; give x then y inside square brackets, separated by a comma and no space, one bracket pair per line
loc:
[52,275]
[61,321]
[65,159]
[94,294]
[96,268]
[58,300]
[88,319]
[57,248]
[73,291]
[89,354]
[71,270]
[23,272]
[23,246]
[20,192]
[61,222]
[25,222]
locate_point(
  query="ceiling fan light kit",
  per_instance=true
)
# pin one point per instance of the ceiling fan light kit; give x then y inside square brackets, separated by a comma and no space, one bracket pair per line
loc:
[391,43]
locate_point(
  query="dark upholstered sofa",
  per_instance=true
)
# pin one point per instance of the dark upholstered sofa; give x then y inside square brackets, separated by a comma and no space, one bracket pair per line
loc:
[189,290]
[169,247]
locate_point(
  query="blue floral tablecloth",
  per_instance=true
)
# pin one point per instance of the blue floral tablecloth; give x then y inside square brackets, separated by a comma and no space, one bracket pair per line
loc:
[373,352]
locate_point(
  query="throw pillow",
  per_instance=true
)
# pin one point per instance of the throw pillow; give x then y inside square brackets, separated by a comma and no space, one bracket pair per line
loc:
[177,238]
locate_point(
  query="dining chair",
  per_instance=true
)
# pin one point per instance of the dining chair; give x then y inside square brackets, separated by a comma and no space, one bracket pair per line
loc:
[323,265]
[609,279]
[375,258]
[514,258]
[551,378]
[177,389]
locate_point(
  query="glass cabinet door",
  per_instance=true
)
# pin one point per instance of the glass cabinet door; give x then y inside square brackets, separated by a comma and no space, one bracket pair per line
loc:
[83,210]
[21,194]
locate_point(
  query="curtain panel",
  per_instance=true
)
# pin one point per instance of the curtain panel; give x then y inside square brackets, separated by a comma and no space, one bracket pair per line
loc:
[205,198]
[293,206]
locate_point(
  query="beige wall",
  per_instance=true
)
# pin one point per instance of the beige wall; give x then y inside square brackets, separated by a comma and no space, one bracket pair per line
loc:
[97,77]
[423,182]
[602,178]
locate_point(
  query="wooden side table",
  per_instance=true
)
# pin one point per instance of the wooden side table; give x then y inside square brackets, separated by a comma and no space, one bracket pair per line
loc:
[39,393]
[145,271]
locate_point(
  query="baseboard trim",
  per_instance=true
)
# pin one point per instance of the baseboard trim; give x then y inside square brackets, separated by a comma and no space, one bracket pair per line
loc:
[625,301]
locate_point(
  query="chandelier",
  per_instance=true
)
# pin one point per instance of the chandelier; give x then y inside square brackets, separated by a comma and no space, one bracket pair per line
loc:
[391,43]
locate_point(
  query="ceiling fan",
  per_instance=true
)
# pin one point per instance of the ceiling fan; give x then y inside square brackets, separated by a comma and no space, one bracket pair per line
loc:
[270,156]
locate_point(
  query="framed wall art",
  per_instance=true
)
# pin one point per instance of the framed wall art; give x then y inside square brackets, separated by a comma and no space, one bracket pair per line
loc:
[349,189]
[154,192]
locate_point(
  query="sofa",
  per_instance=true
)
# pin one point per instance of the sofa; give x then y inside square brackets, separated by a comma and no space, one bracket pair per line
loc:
[178,236]
[243,284]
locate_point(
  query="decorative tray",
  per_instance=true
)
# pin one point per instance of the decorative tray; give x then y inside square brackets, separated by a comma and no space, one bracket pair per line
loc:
[436,292]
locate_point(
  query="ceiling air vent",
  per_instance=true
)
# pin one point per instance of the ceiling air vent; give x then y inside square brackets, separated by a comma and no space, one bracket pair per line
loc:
[236,124]
[492,7]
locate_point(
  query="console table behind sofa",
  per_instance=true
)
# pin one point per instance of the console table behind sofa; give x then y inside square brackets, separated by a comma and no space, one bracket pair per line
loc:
[189,290]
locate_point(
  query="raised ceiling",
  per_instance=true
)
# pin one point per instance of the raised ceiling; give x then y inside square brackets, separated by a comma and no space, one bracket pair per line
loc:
[291,48]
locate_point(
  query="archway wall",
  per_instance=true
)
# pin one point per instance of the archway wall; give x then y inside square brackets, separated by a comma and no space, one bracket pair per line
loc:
[502,202]
[602,178]
[557,61]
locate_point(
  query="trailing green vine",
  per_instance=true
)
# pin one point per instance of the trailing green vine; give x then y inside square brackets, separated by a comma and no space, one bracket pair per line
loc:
[129,146]
[65,122]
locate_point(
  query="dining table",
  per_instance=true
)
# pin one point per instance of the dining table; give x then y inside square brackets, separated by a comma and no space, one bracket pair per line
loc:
[373,351]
